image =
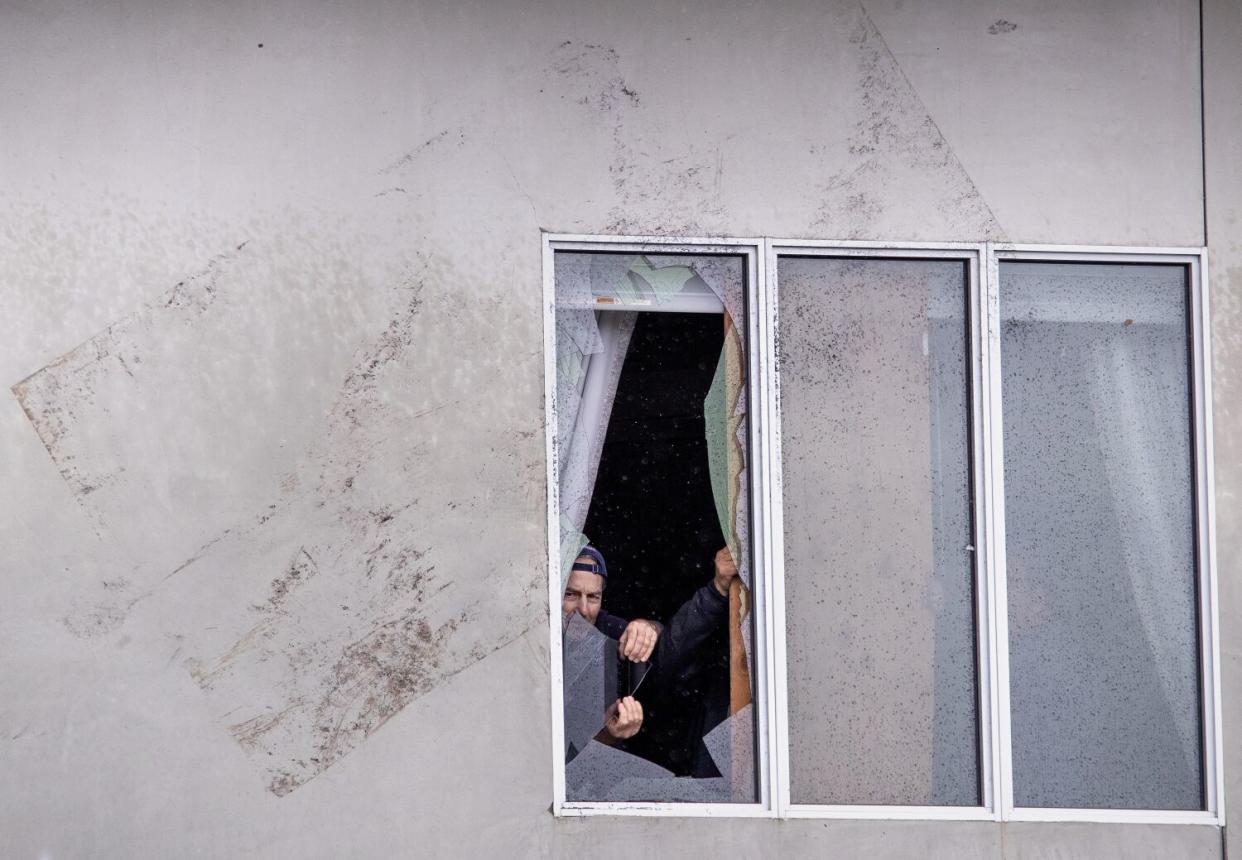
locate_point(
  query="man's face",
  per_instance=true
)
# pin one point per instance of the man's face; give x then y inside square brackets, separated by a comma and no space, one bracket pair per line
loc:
[584,592]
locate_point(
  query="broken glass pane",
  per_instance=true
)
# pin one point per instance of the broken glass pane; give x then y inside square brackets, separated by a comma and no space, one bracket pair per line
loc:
[590,668]
[604,773]
[651,442]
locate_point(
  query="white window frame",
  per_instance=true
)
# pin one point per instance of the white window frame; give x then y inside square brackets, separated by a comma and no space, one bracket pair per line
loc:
[771,703]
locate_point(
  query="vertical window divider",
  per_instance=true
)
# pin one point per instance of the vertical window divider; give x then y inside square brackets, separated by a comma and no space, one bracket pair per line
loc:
[765,510]
[554,505]
[768,314]
[994,506]
[1205,503]
[977,321]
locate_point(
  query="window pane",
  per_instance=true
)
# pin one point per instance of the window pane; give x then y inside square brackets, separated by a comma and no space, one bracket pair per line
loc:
[877,513]
[1099,525]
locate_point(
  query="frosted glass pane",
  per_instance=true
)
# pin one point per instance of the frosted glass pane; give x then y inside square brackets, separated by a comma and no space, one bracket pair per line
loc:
[1099,522]
[878,556]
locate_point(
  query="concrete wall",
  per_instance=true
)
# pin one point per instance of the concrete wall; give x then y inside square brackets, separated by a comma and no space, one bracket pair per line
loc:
[1222,28]
[273,473]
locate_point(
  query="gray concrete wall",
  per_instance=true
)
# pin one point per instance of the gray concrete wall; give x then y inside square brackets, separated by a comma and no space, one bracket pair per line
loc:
[273,472]
[1223,158]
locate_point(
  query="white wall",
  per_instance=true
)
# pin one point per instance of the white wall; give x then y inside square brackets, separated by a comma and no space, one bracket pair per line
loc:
[273,314]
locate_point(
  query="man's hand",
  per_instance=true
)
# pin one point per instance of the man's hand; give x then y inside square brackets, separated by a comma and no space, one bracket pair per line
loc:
[638,640]
[624,718]
[726,571]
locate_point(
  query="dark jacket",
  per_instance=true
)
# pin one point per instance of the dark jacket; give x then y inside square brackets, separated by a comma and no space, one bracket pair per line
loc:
[688,692]
[609,624]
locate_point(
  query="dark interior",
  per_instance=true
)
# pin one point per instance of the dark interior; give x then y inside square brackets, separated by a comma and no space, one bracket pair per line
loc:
[653,516]
[652,513]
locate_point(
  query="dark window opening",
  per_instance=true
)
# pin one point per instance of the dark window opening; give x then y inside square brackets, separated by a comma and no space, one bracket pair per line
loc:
[652,514]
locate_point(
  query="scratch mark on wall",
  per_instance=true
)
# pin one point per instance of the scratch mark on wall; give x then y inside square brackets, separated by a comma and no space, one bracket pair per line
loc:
[204,674]
[517,182]
[201,552]
[249,733]
[455,135]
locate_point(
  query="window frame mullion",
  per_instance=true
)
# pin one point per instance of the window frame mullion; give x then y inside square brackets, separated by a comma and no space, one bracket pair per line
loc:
[993,455]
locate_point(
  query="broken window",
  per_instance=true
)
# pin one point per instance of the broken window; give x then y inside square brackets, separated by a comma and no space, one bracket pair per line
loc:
[967,491]
[652,464]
